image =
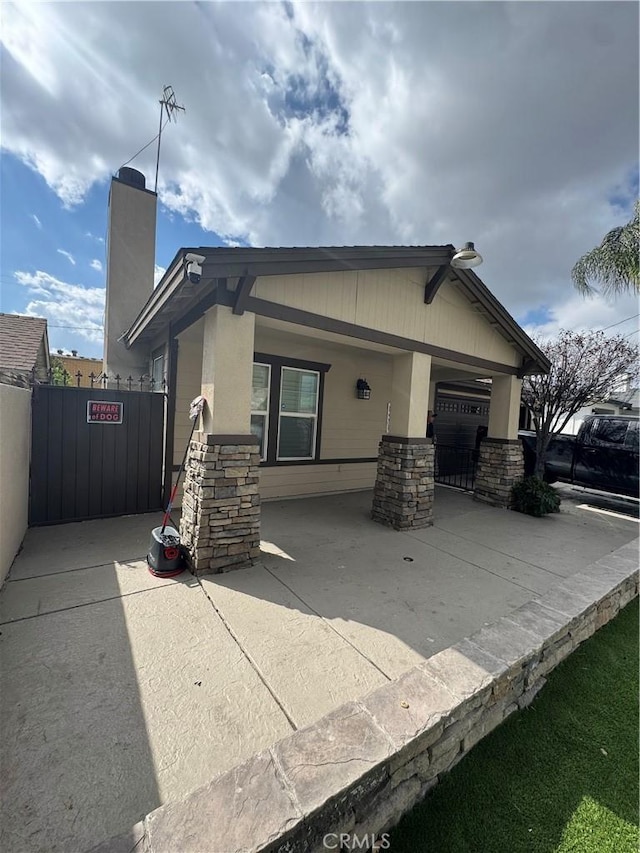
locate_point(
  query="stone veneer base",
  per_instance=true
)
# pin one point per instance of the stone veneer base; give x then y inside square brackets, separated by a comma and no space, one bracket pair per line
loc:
[220,522]
[404,487]
[363,766]
[500,466]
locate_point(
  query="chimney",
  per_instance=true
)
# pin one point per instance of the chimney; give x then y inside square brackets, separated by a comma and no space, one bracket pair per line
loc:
[131,255]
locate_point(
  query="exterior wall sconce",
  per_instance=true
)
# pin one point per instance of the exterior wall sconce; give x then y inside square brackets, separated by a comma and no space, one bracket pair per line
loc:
[363,390]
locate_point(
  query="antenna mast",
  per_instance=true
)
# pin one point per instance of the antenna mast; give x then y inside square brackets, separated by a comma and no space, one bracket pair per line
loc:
[167,103]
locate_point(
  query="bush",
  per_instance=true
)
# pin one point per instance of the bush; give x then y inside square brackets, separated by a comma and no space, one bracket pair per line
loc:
[534,497]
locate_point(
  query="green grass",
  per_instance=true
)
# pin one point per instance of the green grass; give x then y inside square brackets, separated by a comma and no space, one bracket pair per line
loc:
[558,777]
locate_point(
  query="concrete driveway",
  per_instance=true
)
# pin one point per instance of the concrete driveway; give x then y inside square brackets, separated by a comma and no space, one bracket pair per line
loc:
[121,691]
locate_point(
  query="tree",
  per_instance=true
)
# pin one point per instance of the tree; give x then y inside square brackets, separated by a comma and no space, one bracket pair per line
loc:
[59,374]
[615,263]
[585,368]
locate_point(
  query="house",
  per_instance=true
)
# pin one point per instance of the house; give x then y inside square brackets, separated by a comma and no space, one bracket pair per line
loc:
[283,344]
[24,349]
[79,368]
[625,400]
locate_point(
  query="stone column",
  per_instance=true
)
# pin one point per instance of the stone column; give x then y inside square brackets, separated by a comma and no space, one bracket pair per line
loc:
[403,493]
[220,523]
[404,488]
[500,459]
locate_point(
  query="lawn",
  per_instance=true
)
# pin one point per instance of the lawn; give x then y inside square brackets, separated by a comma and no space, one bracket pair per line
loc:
[559,777]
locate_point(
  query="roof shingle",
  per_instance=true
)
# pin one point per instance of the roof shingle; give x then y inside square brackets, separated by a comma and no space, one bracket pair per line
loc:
[20,339]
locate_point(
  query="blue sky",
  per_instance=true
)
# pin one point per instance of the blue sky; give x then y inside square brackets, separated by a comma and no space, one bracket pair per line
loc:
[40,234]
[321,124]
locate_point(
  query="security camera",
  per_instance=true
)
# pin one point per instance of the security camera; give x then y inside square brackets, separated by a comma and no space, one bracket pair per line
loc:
[194,267]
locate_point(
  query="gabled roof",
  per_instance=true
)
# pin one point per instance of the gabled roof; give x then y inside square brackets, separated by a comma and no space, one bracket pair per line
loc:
[20,341]
[175,296]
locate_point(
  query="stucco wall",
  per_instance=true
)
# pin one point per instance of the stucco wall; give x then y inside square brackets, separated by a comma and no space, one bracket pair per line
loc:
[15,433]
[392,301]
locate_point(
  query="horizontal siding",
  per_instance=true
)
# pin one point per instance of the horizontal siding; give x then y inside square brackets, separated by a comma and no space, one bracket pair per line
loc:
[392,301]
[299,481]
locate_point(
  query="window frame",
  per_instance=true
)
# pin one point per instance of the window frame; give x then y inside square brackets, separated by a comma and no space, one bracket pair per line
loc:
[265,414]
[306,415]
[158,356]
[276,363]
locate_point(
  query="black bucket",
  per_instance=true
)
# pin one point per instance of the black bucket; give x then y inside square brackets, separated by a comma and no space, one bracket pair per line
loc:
[165,557]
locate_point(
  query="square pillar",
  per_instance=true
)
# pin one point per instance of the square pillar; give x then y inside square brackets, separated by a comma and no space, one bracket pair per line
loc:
[500,458]
[404,488]
[220,522]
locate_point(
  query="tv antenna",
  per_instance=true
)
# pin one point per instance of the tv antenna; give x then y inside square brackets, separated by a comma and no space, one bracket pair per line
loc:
[169,105]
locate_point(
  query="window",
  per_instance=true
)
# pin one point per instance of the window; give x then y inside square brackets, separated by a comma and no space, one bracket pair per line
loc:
[609,431]
[298,413]
[260,405]
[286,407]
[157,373]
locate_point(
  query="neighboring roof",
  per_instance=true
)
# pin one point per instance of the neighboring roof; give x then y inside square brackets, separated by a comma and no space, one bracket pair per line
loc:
[20,341]
[174,295]
[629,398]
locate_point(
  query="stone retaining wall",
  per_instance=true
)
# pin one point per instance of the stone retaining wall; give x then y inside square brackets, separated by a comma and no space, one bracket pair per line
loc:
[500,466]
[404,488]
[220,521]
[360,768]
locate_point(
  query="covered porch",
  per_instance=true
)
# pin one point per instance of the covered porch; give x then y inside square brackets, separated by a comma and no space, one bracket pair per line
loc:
[253,368]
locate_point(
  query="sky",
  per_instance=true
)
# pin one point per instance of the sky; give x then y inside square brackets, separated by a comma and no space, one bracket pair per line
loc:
[513,125]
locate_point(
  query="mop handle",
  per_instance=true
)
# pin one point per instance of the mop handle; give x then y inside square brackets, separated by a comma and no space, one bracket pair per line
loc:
[194,410]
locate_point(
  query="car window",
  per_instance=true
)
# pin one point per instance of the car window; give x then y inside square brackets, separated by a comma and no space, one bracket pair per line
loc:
[609,431]
[633,435]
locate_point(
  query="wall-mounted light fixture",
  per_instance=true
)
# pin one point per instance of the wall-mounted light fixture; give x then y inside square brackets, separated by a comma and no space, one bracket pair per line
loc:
[363,390]
[466,258]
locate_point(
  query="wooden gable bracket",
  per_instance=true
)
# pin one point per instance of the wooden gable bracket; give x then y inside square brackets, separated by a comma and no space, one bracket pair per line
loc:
[433,285]
[528,364]
[243,291]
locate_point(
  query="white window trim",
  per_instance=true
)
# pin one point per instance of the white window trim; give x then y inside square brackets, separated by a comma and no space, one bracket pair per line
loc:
[157,386]
[310,416]
[265,414]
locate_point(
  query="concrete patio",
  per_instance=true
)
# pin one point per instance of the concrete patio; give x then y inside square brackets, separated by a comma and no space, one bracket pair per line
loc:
[121,691]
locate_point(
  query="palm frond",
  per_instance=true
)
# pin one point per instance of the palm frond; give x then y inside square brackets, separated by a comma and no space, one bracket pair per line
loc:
[614,264]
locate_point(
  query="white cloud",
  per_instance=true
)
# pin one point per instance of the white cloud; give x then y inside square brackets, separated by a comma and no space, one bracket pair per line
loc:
[341,123]
[577,313]
[93,237]
[96,265]
[67,255]
[36,220]
[158,272]
[71,306]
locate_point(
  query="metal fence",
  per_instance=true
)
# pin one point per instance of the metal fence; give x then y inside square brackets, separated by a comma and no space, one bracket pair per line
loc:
[62,378]
[456,466]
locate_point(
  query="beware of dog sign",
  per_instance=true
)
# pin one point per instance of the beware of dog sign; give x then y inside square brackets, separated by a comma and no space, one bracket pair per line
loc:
[102,412]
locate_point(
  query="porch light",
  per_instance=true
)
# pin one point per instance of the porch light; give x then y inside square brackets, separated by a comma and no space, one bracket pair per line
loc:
[363,389]
[466,258]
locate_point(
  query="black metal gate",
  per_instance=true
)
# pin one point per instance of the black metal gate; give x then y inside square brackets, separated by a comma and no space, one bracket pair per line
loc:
[455,466]
[95,453]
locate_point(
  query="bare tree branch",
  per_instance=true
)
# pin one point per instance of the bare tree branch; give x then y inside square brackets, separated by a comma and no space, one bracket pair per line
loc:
[586,367]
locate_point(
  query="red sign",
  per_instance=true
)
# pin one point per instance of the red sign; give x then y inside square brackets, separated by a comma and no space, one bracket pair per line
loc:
[102,412]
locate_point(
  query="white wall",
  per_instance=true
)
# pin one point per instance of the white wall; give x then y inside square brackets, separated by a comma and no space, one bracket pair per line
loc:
[574,423]
[15,439]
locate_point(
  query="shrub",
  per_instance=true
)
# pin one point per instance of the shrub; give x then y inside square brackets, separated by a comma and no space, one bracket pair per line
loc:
[534,497]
